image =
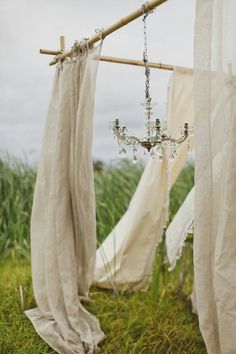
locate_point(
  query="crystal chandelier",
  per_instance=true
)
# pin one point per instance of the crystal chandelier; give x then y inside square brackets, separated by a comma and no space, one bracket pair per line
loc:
[157,136]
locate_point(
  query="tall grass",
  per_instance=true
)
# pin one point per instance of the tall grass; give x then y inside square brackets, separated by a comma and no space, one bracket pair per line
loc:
[16,193]
[159,321]
[114,187]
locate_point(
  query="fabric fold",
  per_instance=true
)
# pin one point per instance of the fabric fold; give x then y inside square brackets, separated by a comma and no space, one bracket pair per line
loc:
[179,228]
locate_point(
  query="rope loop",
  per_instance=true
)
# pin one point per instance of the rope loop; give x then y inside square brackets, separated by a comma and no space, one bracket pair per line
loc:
[146,10]
[99,31]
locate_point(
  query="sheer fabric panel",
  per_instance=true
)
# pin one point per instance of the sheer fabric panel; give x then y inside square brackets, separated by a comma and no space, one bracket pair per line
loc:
[215,179]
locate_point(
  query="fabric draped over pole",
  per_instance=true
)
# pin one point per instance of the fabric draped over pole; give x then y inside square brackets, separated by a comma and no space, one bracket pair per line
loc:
[215,179]
[125,258]
[63,225]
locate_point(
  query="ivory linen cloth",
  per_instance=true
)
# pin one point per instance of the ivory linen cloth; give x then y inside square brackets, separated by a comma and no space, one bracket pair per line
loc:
[180,111]
[215,179]
[63,229]
[125,258]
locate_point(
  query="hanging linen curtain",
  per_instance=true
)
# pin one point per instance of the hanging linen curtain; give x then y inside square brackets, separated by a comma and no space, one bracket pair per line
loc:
[63,230]
[215,179]
[180,111]
[124,260]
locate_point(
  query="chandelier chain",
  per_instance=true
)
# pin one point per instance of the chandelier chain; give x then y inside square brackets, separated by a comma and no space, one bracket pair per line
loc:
[145,58]
[158,139]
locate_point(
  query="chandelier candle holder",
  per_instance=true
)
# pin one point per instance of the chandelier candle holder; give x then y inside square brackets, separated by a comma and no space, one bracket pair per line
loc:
[158,139]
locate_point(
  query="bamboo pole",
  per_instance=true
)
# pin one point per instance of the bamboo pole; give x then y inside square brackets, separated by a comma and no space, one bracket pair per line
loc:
[110,59]
[49,52]
[134,62]
[148,6]
[55,52]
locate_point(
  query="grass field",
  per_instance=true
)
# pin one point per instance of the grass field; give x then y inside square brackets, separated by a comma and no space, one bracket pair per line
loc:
[157,321]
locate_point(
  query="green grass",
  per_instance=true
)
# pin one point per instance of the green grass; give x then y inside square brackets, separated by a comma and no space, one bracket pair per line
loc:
[16,192]
[157,321]
[114,186]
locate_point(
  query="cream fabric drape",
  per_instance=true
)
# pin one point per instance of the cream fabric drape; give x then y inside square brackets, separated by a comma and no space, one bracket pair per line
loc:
[180,111]
[63,229]
[179,229]
[215,179]
[124,260]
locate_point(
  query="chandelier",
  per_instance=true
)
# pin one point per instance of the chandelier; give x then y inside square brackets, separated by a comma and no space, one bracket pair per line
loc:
[158,139]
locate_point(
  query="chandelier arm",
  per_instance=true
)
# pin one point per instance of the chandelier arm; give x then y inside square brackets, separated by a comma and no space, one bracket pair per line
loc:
[182,139]
[178,141]
[134,139]
[127,139]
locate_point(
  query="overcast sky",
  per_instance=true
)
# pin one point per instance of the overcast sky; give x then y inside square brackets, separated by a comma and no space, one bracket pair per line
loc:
[25,77]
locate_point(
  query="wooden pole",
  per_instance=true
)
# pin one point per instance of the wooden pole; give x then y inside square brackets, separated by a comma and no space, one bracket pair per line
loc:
[49,52]
[134,62]
[110,59]
[148,6]
[55,52]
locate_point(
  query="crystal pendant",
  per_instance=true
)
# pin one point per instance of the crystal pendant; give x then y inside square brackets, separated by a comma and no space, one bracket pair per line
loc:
[173,153]
[135,159]
[122,153]
[172,156]
[152,153]
[189,148]
[148,124]
[160,152]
